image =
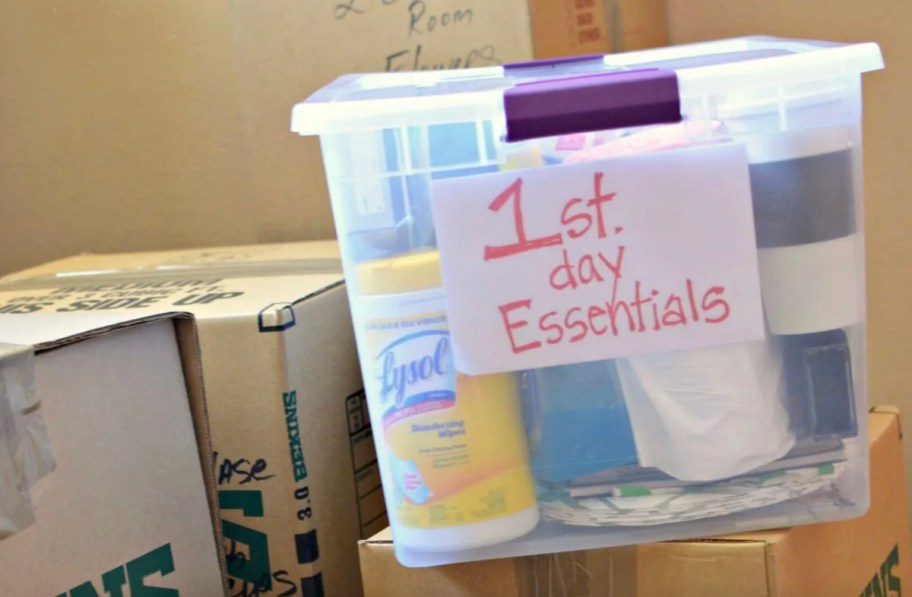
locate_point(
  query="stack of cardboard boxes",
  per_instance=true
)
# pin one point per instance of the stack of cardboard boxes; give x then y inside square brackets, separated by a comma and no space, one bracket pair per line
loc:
[256,344]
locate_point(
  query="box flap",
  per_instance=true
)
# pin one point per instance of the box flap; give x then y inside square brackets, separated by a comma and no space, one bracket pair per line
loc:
[51,330]
[116,410]
[209,283]
[384,537]
[43,332]
[192,365]
[891,411]
[327,250]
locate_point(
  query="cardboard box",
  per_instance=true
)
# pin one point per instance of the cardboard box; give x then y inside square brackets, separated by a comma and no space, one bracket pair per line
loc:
[293,452]
[141,127]
[145,126]
[126,506]
[866,556]
[642,24]
[571,27]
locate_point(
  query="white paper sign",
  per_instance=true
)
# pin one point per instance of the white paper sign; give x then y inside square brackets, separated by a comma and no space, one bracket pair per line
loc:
[631,255]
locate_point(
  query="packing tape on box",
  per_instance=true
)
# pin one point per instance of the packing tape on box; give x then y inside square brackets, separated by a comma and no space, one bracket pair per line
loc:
[603,573]
[25,448]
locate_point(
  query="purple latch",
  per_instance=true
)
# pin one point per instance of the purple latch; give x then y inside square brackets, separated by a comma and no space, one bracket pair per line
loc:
[600,101]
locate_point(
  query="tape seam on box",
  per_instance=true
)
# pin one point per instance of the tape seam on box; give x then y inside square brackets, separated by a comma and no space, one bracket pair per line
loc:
[25,449]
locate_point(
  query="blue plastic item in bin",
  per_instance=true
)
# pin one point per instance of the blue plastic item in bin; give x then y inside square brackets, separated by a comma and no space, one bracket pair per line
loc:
[577,421]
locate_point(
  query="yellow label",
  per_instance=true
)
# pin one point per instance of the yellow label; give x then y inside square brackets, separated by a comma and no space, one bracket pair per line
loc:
[455,444]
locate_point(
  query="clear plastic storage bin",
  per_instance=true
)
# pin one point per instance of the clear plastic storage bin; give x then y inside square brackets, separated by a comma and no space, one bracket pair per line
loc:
[609,299]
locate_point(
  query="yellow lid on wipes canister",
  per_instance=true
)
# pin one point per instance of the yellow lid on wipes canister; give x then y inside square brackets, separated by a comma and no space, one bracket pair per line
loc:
[404,273]
[453,448]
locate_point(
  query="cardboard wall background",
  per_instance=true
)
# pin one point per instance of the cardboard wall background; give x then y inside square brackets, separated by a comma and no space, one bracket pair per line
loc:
[887,150]
[165,124]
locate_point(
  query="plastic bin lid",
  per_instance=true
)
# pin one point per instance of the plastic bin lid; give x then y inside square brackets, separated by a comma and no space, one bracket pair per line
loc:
[630,84]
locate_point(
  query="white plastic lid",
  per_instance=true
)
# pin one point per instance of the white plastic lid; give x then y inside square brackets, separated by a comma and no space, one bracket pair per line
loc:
[383,100]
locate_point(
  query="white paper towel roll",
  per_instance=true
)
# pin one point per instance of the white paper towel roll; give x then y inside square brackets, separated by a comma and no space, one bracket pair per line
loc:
[707,414]
[812,287]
